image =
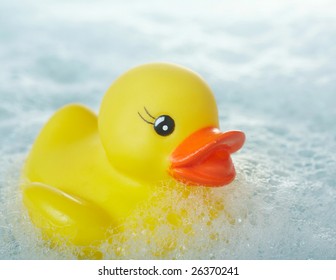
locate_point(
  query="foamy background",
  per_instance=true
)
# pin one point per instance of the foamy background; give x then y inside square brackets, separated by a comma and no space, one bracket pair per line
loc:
[272,67]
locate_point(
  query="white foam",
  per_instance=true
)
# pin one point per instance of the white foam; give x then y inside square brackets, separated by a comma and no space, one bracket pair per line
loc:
[272,70]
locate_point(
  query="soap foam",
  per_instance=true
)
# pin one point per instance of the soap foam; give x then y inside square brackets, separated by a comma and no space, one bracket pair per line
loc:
[177,222]
[272,70]
[268,211]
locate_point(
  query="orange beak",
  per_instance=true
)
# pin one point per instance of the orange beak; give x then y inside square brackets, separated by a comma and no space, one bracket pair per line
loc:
[204,159]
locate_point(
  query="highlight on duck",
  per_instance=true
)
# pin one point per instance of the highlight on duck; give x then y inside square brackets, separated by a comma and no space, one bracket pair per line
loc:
[157,123]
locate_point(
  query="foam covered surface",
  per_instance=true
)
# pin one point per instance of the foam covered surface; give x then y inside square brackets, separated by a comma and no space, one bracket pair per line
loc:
[271,65]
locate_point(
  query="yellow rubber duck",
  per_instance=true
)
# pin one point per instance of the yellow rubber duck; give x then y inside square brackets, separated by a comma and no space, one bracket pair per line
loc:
[157,123]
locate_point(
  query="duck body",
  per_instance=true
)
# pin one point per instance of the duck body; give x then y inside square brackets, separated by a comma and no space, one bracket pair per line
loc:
[86,173]
[68,164]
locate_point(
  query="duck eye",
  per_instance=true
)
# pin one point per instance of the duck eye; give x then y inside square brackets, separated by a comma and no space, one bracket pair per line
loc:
[164,125]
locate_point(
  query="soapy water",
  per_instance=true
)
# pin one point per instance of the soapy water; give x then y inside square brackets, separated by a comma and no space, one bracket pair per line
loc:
[274,79]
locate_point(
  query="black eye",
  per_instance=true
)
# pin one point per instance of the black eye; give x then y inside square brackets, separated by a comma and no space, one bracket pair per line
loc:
[164,125]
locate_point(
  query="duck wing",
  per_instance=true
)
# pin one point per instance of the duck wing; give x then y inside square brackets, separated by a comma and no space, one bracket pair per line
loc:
[59,138]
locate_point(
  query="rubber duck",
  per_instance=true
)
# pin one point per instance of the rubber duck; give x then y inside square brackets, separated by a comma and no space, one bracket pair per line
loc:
[85,173]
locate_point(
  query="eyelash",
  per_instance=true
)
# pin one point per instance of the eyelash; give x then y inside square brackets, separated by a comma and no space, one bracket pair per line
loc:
[148,115]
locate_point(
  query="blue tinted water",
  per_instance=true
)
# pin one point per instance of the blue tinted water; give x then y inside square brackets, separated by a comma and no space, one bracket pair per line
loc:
[271,65]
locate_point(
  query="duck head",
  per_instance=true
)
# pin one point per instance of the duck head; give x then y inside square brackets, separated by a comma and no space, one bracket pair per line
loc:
[160,121]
